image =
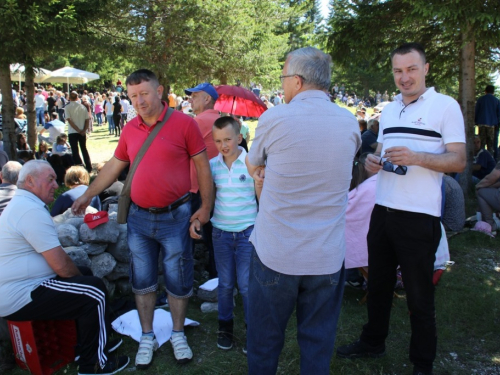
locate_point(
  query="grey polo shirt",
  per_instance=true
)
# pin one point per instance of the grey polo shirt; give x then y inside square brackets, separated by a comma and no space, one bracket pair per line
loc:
[308,147]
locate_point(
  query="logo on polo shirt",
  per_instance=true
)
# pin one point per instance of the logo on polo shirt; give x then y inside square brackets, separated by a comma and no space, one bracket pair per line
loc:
[418,122]
[243,178]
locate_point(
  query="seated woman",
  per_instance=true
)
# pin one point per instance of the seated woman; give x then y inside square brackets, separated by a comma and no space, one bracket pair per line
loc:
[77,179]
[22,144]
[43,151]
[488,200]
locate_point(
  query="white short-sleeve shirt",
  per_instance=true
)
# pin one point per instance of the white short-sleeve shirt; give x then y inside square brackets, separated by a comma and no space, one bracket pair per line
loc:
[26,231]
[425,125]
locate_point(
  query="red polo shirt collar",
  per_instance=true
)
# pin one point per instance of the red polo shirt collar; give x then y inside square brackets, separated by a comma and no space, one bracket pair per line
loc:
[159,119]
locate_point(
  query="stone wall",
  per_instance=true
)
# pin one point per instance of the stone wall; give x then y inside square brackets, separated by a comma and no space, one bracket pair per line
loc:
[103,249]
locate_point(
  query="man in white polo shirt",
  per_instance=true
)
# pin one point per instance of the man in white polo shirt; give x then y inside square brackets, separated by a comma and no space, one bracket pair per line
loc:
[78,119]
[421,136]
[39,281]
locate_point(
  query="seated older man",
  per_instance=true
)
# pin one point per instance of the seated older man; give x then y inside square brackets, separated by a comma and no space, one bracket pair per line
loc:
[39,281]
[9,174]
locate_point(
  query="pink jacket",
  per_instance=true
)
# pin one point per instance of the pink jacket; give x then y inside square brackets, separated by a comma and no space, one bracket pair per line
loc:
[359,209]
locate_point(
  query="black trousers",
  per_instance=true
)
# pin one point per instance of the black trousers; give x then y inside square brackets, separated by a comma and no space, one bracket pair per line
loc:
[117,120]
[76,140]
[410,240]
[80,298]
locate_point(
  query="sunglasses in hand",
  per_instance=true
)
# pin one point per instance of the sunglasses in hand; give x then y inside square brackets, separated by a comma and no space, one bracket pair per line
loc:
[389,167]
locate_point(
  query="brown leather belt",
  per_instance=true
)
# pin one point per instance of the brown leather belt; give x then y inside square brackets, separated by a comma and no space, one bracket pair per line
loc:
[160,210]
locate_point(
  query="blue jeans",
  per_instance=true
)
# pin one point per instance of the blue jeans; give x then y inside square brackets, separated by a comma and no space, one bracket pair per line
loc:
[272,298]
[150,235]
[40,116]
[111,123]
[99,118]
[61,114]
[233,252]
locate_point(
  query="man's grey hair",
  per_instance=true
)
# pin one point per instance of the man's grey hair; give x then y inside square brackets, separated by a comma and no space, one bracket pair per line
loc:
[372,122]
[10,172]
[31,168]
[313,65]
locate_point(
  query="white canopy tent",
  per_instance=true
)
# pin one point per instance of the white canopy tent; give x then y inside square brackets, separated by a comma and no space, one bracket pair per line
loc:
[71,75]
[17,73]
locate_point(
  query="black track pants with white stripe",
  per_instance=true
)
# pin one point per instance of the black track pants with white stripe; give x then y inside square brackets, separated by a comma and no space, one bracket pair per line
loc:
[79,298]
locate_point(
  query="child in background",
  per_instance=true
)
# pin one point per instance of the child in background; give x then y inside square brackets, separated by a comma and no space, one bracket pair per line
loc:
[234,216]
[62,146]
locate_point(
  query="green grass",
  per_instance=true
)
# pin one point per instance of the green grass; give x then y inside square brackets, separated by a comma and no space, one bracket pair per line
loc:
[467,305]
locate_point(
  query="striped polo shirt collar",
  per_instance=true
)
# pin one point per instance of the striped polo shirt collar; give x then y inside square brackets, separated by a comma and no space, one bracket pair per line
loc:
[241,158]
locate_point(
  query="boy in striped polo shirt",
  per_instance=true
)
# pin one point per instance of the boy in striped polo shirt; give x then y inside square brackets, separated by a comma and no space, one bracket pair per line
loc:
[233,219]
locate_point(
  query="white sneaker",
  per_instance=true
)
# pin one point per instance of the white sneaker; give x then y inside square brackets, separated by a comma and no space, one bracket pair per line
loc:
[145,353]
[182,351]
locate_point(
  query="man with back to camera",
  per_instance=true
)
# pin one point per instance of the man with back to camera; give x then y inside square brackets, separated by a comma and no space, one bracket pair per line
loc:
[159,217]
[78,119]
[299,233]
[421,136]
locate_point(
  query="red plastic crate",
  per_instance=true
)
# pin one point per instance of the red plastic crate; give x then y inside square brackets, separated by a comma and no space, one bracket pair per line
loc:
[43,346]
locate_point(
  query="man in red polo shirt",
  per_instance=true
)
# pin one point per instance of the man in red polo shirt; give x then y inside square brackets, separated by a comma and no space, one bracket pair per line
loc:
[202,101]
[159,217]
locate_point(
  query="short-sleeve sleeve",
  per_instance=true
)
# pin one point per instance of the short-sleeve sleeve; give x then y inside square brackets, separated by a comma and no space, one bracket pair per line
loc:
[453,130]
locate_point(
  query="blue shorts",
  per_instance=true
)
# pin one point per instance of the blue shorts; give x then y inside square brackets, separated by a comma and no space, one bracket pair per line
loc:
[150,235]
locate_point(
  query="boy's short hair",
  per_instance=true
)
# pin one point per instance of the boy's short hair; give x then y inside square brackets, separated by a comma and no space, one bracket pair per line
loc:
[76,175]
[224,121]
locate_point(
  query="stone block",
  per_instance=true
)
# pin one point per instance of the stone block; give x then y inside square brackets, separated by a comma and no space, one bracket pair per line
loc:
[120,249]
[78,255]
[94,248]
[67,234]
[102,264]
[107,232]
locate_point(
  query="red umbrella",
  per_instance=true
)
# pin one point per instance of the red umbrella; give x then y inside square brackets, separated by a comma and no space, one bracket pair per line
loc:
[239,101]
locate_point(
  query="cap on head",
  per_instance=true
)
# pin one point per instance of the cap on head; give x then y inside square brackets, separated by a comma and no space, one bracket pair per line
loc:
[206,87]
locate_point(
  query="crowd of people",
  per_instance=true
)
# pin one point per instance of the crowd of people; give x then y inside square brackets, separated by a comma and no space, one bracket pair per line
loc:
[280,220]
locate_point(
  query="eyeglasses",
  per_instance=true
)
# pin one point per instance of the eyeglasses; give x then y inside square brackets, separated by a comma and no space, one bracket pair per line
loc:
[282,78]
[389,167]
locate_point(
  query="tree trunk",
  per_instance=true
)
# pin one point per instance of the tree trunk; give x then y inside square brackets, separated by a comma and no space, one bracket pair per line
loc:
[8,111]
[29,85]
[468,89]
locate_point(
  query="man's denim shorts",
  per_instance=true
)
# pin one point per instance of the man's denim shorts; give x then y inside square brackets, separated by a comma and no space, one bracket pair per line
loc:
[161,237]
